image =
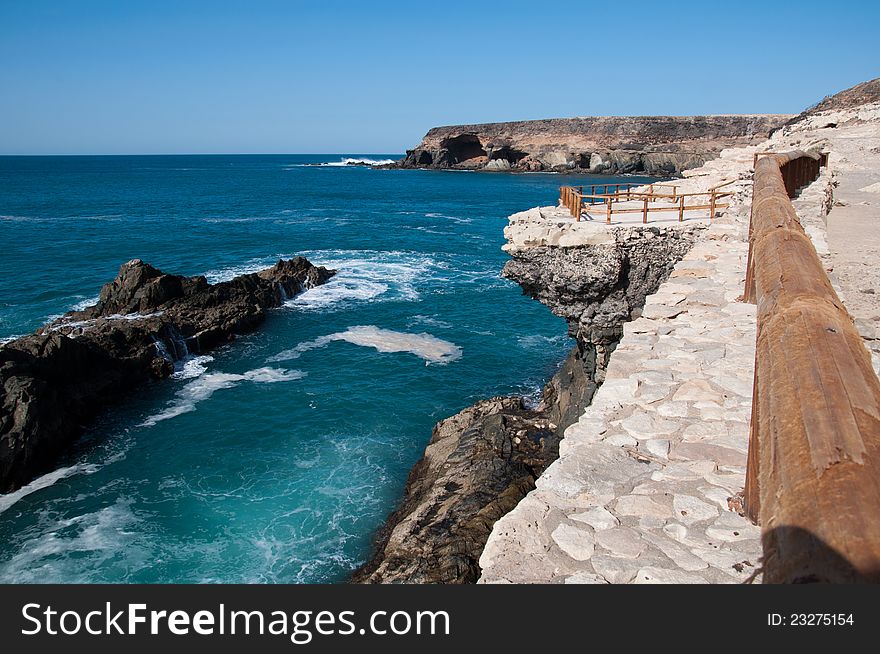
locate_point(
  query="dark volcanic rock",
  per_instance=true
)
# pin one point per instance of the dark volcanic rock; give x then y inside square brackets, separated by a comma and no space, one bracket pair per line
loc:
[57,379]
[478,465]
[481,462]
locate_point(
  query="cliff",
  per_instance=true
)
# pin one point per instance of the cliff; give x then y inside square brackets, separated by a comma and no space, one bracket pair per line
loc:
[654,145]
[54,381]
[481,462]
[853,98]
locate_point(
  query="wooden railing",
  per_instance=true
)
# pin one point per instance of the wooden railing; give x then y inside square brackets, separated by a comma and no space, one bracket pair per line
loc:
[653,197]
[813,474]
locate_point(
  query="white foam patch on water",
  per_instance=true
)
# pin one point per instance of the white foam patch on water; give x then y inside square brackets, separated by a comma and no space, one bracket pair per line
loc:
[246,219]
[536,341]
[425,346]
[426,230]
[192,367]
[45,481]
[454,219]
[363,275]
[431,321]
[206,384]
[60,553]
[116,316]
[85,303]
[226,274]
[345,161]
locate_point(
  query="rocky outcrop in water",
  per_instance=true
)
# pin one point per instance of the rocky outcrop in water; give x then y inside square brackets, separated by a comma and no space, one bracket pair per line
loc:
[653,145]
[481,462]
[57,379]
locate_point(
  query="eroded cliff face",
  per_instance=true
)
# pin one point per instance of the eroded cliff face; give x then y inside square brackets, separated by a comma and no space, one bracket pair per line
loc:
[654,145]
[54,381]
[481,462]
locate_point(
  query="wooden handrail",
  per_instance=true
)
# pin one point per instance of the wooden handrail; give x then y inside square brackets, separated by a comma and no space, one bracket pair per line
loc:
[574,197]
[813,473]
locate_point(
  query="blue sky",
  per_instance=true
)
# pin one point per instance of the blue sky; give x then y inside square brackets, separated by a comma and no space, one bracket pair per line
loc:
[300,76]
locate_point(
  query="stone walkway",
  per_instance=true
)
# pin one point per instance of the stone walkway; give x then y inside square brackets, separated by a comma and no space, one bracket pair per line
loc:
[642,490]
[645,489]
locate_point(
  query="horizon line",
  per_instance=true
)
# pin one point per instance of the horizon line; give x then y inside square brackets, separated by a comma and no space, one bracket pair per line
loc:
[194,154]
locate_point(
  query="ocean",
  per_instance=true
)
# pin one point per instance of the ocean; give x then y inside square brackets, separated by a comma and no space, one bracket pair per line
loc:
[276,457]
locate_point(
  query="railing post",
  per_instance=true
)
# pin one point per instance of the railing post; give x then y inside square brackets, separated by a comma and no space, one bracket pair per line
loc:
[645,210]
[712,206]
[608,211]
[681,209]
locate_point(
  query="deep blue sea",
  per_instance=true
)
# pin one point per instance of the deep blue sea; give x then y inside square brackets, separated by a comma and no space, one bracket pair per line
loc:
[275,458]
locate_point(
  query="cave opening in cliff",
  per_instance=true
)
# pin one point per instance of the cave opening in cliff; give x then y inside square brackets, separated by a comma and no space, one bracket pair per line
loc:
[510,154]
[466,147]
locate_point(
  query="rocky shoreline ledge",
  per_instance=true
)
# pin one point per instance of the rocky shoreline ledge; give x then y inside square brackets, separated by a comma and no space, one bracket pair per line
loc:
[59,378]
[482,461]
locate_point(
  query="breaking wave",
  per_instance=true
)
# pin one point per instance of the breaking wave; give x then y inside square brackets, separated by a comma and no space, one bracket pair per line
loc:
[365,275]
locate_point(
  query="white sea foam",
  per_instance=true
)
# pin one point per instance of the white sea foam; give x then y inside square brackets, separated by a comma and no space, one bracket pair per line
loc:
[537,341]
[192,367]
[45,481]
[205,385]
[364,275]
[58,554]
[431,321]
[84,324]
[426,230]
[245,219]
[454,219]
[20,219]
[225,274]
[85,303]
[427,347]
[346,161]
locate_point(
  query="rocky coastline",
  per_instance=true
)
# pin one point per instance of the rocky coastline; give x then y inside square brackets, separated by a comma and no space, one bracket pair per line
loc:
[650,145]
[482,461]
[59,378]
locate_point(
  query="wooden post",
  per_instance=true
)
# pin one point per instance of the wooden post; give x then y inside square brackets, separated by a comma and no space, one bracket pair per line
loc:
[608,211]
[681,209]
[645,210]
[712,206]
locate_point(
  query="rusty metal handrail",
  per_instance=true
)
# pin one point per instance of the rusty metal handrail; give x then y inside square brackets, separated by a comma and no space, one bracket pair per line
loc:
[813,473]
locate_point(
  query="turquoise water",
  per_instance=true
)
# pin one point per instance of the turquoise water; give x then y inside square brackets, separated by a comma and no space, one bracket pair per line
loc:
[277,457]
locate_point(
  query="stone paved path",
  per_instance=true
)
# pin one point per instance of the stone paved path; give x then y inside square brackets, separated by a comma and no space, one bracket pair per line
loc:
[642,490]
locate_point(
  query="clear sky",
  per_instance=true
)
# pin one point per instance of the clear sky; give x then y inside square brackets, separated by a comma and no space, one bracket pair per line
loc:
[83,76]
